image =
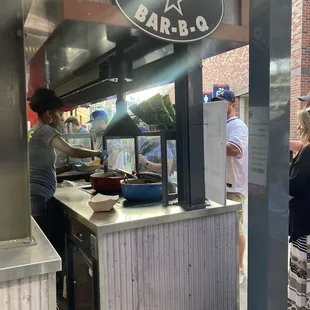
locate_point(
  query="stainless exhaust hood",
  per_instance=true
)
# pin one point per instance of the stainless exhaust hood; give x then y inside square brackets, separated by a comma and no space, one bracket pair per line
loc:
[122,125]
[120,71]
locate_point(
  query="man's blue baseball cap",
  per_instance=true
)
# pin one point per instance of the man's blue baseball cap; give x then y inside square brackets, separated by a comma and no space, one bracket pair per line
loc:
[98,115]
[226,95]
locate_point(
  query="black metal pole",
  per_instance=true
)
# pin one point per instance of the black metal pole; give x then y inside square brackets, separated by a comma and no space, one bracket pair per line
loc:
[270,46]
[164,172]
[189,121]
[121,105]
[137,148]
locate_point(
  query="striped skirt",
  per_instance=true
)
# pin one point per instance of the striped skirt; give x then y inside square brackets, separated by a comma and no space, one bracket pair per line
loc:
[299,275]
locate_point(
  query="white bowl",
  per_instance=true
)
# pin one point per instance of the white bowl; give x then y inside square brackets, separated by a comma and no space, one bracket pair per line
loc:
[103,203]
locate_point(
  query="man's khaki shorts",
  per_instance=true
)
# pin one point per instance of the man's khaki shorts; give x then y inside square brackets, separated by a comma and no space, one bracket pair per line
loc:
[238,198]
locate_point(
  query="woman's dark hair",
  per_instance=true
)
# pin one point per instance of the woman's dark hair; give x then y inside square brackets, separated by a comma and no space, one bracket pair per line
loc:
[44,100]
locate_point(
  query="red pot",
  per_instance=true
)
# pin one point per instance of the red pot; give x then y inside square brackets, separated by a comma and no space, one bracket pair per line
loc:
[106,182]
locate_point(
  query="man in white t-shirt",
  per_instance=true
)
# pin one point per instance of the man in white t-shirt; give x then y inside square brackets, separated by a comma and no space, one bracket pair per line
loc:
[237,164]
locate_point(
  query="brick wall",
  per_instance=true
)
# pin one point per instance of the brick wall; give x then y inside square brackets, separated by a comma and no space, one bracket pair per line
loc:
[296,61]
[230,68]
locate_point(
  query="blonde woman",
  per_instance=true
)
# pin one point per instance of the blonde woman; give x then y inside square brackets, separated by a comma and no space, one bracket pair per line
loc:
[299,220]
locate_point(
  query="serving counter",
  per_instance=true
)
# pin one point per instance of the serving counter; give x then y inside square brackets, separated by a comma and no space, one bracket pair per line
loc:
[28,274]
[153,257]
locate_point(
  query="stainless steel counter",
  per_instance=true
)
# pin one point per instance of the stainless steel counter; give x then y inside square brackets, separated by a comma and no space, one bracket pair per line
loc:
[120,218]
[32,260]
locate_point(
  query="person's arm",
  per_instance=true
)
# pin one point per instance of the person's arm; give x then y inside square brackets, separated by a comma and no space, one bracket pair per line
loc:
[155,167]
[295,145]
[233,150]
[75,152]
[299,180]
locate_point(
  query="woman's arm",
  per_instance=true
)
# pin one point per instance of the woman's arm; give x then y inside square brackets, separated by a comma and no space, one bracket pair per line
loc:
[75,152]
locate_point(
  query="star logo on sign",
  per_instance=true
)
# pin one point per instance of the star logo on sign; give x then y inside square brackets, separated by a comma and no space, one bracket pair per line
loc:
[174,4]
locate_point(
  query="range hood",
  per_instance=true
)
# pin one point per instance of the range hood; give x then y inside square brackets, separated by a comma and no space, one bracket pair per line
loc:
[76,36]
[122,125]
[120,71]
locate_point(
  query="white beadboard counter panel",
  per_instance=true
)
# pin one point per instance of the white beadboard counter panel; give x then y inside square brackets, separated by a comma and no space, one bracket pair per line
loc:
[33,293]
[183,265]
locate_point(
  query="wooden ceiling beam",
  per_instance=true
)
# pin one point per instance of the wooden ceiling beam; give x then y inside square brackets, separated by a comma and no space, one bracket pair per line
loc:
[109,14]
[231,33]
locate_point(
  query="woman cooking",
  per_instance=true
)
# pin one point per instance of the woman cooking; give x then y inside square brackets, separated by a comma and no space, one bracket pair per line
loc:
[43,140]
[299,220]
